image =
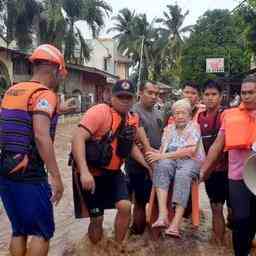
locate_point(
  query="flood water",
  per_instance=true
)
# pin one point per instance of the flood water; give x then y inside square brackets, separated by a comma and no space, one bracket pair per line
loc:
[71,239]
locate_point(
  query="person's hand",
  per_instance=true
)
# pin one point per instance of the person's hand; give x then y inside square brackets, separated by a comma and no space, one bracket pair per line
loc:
[71,102]
[150,149]
[68,106]
[152,157]
[87,181]
[57,189]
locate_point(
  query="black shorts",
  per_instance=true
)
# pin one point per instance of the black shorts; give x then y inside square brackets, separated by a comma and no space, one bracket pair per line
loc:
[110,189]
[139,183]
[217,187]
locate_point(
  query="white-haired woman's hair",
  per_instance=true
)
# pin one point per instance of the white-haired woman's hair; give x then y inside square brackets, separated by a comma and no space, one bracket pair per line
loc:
[183,103]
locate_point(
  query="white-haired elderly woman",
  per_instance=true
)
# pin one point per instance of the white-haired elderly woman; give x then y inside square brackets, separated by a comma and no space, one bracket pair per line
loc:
[177,163]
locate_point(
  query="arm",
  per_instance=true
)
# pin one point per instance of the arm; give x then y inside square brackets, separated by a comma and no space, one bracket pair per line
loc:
[181,153]
[213,154]
[68,106]
[178,154]
[137,155]
[188,150]
[78,151]
[142,136]
[41,126]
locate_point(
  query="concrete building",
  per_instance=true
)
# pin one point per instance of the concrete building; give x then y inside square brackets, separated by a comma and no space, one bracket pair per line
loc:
[86,83]
[105,56]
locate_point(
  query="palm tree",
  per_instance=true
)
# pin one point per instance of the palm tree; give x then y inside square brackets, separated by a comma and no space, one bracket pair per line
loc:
[173,28]
[52,21]
[124,26]
[51,24]
[174,33]
[94,14]
[91,11]
[134,34]
[20,15]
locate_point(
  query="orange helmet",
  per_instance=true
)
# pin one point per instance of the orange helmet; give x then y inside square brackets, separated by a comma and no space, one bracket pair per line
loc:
[49,53]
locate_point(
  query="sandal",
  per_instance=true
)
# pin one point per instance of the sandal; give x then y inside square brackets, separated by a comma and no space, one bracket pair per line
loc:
[160,223]
[173,232]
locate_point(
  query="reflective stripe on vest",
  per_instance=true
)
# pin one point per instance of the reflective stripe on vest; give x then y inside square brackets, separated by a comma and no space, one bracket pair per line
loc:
[16,131]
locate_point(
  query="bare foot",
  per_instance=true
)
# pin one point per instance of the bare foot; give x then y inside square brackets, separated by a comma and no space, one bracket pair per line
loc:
[160,223]
[173,231]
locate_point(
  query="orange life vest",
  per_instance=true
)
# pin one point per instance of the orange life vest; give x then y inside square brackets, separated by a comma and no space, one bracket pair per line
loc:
[132,119]
[23,91]
[240,128]
[16,132]
[16,128]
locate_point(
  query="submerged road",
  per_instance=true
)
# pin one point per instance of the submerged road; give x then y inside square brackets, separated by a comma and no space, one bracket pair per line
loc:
[70,238]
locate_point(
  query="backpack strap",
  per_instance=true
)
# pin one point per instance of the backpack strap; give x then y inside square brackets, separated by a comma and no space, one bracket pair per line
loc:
[110,136]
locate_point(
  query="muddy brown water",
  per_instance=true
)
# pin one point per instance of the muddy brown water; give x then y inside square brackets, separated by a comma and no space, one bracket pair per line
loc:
[70,237]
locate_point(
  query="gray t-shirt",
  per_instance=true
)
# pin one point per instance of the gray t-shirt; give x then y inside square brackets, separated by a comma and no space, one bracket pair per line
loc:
[152,123]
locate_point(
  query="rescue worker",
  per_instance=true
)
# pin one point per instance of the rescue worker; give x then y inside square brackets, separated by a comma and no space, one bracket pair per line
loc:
[139,181]
[237,135]
[105,187]
[217,184]
[28,122]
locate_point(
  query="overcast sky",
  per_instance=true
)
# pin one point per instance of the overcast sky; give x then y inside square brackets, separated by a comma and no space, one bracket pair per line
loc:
[155,8]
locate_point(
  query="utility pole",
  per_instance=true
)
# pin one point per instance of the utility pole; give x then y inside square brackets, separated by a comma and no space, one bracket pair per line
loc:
[141,60]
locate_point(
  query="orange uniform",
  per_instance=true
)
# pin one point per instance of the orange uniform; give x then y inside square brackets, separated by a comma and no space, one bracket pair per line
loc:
[99,119]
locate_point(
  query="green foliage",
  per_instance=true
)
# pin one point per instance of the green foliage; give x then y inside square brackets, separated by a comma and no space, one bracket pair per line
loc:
[17,17]
[217,34]
[91,11]
[171,52]
[23,19]
[252,3]
[162,44]
[52,25]
[247,16]
[94,12]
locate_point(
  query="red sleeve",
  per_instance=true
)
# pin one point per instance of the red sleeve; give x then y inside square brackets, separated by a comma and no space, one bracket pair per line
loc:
[95,118]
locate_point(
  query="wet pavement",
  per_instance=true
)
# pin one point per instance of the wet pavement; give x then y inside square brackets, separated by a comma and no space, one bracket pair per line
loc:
[70,236]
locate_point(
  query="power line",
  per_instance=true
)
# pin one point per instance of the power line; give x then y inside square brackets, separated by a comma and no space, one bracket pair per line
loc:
[238,6]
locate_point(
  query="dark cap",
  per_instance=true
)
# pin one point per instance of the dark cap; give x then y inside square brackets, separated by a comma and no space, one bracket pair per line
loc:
[123,87]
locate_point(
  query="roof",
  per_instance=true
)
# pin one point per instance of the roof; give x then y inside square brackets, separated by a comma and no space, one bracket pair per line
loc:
[92,70]
[13,51]
[69,65]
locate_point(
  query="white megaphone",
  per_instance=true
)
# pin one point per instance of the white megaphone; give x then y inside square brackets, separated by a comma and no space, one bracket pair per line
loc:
[250,173]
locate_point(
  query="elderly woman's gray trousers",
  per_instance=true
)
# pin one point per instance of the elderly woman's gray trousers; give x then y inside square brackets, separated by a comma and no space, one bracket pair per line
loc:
[180,173]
